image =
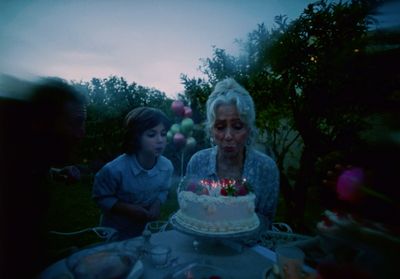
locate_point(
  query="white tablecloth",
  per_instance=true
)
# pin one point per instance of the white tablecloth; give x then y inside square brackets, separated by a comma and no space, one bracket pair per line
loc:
[238,263]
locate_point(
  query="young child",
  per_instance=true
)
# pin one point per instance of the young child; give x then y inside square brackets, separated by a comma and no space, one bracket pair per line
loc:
[131,188]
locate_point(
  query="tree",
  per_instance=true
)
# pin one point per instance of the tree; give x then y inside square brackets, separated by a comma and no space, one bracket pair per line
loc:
[195,94]
[110,99]
[322,59]
[313,81]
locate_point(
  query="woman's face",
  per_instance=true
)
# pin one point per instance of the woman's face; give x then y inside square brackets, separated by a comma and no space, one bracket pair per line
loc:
[229,131]
[153,141]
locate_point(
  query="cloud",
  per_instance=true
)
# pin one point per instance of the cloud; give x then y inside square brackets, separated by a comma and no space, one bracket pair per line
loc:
[147,42]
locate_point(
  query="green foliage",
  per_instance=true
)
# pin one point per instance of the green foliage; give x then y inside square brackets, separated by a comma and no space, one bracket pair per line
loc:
[316,61]
[196,94]
[220,66]
[314,82]
[110,99]
[71,209]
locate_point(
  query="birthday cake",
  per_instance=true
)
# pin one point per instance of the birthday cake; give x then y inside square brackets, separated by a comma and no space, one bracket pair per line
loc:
[217,207]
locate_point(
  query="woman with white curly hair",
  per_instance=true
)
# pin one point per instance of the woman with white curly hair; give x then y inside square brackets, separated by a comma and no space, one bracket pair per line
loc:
[231,126]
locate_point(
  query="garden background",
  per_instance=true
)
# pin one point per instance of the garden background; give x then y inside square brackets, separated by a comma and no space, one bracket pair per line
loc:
[323,85]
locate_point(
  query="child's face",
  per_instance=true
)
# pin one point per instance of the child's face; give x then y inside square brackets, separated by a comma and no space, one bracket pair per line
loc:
[153,141]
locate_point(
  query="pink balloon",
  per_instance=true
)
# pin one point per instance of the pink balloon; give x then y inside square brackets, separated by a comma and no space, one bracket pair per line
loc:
[178,107]
[179,140]
[187,111]
[349,185]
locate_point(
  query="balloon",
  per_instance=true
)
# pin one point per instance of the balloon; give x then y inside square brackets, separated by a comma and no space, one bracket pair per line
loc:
[179,140]
[178,108]
[349,185]
[175,128]
[187,111]
[186,126]
[169,136]
[190,143]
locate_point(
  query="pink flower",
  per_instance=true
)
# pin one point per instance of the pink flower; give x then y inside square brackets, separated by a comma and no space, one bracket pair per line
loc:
[349,185]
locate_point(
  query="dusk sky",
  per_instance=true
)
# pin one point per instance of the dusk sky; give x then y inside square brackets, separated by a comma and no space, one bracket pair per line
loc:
[148,42]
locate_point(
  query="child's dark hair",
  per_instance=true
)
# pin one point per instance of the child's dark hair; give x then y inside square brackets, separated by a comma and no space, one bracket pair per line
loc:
[139,120]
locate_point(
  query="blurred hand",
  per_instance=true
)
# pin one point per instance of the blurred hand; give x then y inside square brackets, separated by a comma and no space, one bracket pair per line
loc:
[346,227]
[154,210]
[69,174]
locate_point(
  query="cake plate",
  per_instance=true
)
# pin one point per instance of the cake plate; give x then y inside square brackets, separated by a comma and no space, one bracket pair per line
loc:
[238,239]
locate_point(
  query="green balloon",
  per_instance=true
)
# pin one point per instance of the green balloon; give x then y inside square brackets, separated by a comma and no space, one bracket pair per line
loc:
[169,136]
[175,128]
[190,143]
[186,126]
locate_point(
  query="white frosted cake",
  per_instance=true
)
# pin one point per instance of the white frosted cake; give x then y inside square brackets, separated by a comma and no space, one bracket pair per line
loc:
[217,209]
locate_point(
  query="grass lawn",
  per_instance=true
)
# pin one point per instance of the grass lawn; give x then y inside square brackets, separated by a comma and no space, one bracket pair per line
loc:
[72,209]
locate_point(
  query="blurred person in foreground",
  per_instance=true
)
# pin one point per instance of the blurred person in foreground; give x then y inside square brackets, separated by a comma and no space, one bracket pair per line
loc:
[131,188]
[39,131]
[231,126]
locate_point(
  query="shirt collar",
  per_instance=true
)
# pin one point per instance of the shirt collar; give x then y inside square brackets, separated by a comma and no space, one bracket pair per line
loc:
[137,168]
